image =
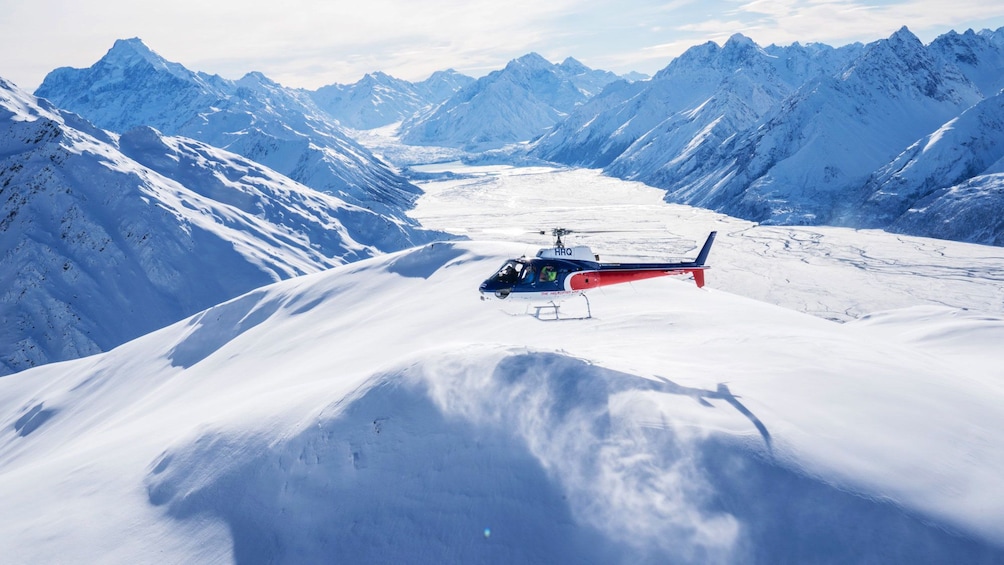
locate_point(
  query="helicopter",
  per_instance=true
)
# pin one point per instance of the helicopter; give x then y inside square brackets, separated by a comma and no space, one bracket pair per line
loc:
[560,272]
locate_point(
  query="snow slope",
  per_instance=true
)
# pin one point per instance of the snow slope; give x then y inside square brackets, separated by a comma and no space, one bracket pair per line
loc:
[969,211]
[105,238]
[380,412]
[917,192]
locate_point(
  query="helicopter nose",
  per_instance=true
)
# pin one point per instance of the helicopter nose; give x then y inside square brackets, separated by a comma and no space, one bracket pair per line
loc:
[489,289]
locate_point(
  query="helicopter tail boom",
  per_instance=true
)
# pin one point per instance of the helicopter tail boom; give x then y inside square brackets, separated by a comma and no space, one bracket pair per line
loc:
[603,277]
[616,273]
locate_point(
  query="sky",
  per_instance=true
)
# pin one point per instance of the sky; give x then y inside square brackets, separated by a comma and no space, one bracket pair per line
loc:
[312,43]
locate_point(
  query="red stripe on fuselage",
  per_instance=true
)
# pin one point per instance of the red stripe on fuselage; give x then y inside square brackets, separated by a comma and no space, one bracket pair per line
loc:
[593,279]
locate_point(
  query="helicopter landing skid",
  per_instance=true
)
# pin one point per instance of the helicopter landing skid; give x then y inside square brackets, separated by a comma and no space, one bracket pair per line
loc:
[555,309]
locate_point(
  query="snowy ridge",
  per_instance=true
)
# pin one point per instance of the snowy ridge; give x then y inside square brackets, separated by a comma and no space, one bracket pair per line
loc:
[279,427]
[255,117]
[379,99]
[980,56]
[515,104]
[645,125]
[105,239]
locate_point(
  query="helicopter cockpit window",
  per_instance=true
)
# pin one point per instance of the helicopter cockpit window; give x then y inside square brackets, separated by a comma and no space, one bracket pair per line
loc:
[510,272]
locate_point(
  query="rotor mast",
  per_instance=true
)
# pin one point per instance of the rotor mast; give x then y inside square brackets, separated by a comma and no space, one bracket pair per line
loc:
[557,233]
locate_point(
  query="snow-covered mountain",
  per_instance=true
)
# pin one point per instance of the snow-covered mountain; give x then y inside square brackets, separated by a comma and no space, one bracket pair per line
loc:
[517,103]
[634,76]
[379,99]
[678,426]
[255,117]
[969,211]
[980,56]
[106,238]
[801,162]
[683,114]
[962,150]
[801,134]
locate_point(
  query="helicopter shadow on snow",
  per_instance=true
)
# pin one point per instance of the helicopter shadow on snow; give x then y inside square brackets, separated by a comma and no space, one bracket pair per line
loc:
[617,382]
[721,393]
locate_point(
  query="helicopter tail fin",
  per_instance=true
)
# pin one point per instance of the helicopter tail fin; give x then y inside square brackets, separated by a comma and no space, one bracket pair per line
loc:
[703,255]
[698,277]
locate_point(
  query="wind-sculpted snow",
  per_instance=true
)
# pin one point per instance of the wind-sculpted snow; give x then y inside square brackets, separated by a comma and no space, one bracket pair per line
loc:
[32,419]
[556,473]
[211,330]
[425,261]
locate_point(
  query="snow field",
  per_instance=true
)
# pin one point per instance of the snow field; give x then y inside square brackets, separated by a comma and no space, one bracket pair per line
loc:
[380,411]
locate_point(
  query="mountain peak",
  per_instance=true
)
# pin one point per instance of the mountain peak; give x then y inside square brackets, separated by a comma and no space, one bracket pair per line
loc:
[133,44]
[905,36]
[739,48]
[132,53]
[257,78]
[376,77]
[451,72]
[697,56]
[127,52]
[531,60]
[738,39]
[573,66]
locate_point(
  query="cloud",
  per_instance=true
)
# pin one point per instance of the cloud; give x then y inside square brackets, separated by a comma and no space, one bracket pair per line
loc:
[839,22]
[310,43]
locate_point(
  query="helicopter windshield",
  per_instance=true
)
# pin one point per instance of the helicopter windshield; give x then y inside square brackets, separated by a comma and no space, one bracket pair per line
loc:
[509,273]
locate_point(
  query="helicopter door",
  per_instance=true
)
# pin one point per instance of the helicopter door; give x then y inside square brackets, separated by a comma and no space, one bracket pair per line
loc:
[529,275]
[549,278]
